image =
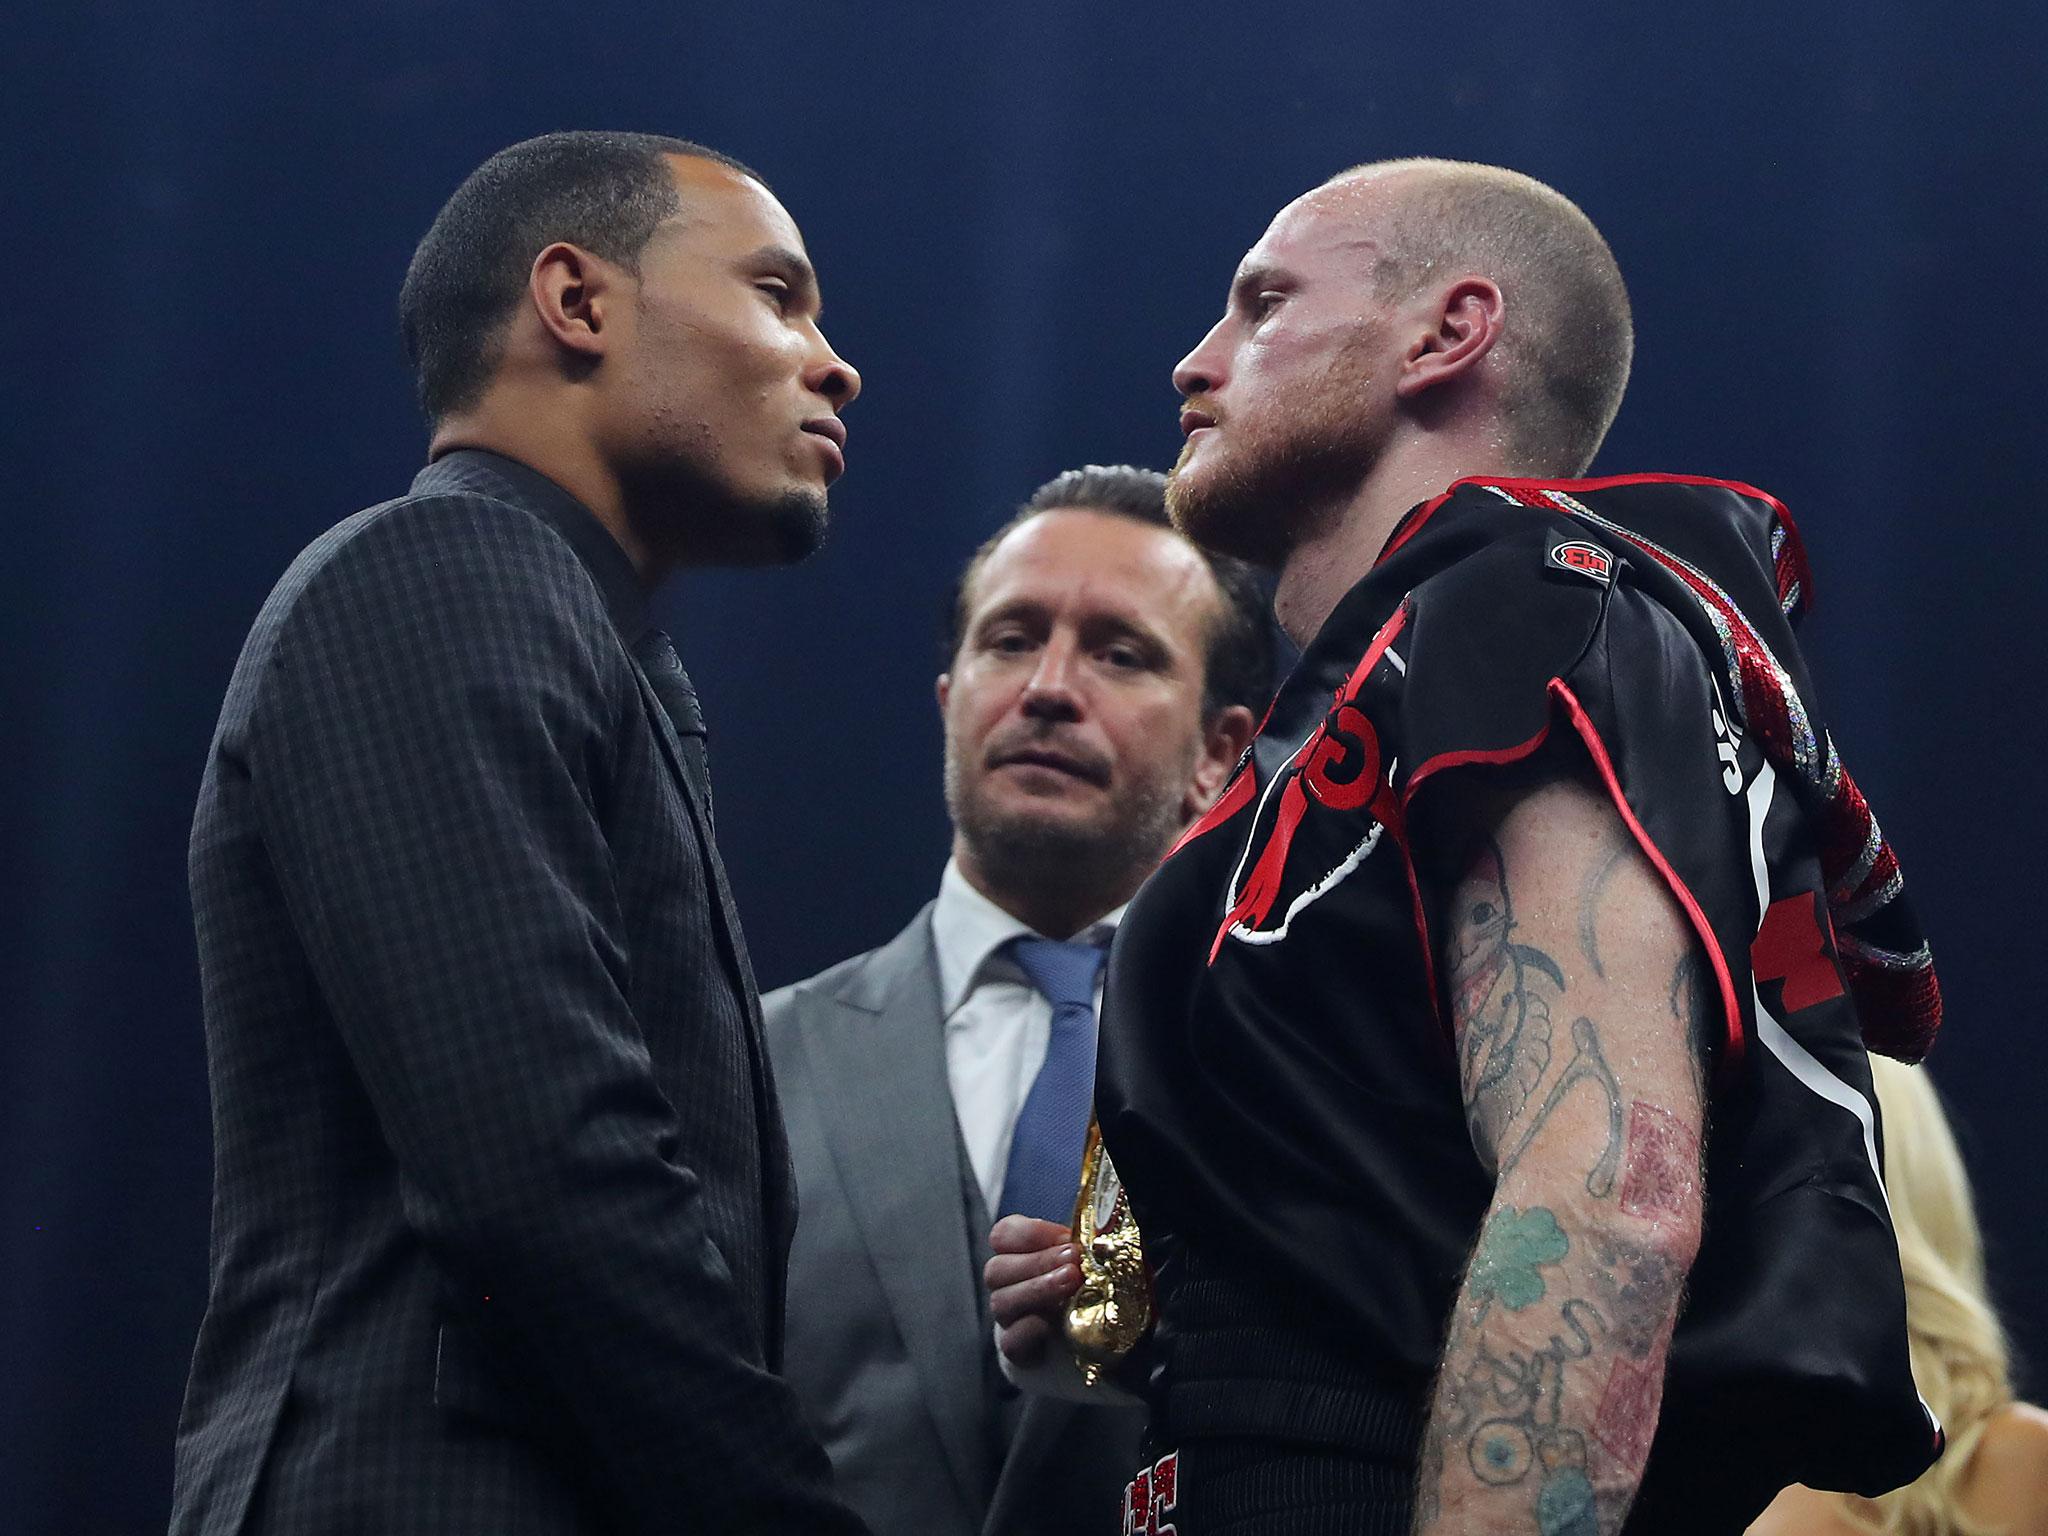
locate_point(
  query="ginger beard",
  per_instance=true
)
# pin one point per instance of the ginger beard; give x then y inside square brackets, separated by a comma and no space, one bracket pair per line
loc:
[1275,468]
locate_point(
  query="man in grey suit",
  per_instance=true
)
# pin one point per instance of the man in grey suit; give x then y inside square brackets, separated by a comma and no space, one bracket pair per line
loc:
[1101,683]
[502,1196]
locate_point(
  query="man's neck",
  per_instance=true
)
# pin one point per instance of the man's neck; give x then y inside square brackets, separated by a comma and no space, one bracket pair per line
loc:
[519,430]
[1341,548]
[1059,913]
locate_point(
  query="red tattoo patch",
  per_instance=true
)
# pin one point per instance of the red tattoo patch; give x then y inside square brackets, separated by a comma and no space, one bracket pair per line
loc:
[1663,1164]
[1627,1421]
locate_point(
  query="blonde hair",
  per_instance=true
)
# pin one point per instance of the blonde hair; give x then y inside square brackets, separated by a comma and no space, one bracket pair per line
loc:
[1959,1350]
[1572,336]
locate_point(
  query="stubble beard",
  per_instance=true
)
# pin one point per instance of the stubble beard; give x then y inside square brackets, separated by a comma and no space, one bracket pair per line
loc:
[795,522]
[690,506]
[1275,486]
[709,521]
[1101,859]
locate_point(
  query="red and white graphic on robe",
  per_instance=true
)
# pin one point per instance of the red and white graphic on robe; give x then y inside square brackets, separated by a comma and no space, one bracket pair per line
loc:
[1339,769]
[1151,1498]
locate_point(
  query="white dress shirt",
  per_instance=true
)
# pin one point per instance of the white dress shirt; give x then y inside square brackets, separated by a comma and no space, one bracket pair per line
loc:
[997,1023]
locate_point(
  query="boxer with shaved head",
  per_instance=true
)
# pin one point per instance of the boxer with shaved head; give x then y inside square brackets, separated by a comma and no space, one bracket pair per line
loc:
[1486,1070]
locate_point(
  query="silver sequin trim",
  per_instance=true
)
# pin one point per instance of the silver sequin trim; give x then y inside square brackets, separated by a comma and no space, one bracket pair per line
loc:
[1893,959]
[1859,871]
[1805,749]
[1855,911]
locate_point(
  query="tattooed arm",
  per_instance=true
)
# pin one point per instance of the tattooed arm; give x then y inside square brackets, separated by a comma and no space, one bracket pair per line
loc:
[1570,969]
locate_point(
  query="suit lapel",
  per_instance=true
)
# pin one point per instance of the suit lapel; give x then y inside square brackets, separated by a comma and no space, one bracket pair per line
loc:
[725,914]
[879,1045]
[778,1181]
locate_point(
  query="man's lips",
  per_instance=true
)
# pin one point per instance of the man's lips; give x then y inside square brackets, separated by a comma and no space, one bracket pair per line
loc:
[1058,762]
[831,431]
[1192,421]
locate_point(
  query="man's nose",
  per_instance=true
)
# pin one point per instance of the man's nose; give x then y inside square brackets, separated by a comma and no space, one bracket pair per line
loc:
[1052,690]
[1201,371]
[833,376]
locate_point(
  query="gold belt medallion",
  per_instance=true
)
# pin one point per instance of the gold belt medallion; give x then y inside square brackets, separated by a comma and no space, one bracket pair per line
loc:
[1113,1307]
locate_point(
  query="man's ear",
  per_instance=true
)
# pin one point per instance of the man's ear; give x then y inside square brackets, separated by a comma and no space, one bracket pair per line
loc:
[572,293]
[1461,328]
[1223,742]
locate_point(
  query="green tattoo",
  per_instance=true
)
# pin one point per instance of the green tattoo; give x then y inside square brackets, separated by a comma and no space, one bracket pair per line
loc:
[1516,1245]
[1566,1506]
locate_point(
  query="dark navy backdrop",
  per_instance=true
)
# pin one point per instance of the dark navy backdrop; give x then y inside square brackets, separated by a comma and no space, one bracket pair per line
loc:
[1830,217]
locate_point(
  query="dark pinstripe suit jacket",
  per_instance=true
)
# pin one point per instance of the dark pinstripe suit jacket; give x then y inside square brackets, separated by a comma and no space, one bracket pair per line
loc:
[502,1200]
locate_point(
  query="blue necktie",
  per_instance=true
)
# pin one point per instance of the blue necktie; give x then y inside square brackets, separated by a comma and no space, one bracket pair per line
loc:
[1044,1172]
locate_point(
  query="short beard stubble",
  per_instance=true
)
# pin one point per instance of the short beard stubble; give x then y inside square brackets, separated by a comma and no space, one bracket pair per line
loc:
[1276,485]
[1098,864]
[704,521]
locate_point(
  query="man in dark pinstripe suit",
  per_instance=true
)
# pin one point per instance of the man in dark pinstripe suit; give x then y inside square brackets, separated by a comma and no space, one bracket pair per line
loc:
[502,1200]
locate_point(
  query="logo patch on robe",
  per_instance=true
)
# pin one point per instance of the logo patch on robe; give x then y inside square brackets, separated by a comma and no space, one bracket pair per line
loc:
[1580,557]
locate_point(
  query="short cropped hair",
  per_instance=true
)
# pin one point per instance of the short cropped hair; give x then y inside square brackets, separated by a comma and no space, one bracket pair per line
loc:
[1570,336]
[1237,663]
[605,192]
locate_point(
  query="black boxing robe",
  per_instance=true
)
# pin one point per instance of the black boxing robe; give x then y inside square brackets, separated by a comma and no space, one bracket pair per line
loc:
[1278,1086]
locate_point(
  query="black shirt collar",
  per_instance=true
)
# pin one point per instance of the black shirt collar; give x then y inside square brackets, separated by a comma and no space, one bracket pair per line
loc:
[479,472]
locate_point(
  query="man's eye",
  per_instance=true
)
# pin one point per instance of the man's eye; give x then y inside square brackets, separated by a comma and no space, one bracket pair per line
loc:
[1124,656]
[777,290]
[1263,304]
[1009,643]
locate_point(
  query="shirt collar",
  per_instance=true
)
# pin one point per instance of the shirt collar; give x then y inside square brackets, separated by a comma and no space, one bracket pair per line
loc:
[969,932]
[479,472]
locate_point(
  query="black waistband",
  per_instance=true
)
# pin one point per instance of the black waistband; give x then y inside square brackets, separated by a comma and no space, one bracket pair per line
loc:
[1240,1361]
[1371,1423]
[1274,1488]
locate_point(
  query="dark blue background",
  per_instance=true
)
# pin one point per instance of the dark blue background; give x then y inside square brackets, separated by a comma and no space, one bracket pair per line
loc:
[1830,217]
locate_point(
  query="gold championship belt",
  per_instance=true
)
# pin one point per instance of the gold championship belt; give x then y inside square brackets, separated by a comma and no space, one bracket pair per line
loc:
[1113,1307]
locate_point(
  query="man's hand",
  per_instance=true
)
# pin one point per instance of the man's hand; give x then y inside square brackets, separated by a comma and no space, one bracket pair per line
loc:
[1035,1269]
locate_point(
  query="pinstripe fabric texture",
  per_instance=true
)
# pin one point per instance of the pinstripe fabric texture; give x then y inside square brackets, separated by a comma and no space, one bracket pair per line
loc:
[1241,1487]
[502,1201]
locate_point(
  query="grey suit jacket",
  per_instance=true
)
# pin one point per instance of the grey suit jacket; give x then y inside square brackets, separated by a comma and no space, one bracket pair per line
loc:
[889,1342]
[501,1196]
